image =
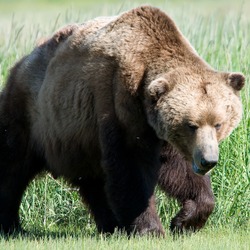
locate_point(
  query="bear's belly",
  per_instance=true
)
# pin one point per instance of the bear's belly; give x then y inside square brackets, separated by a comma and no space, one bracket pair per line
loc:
[74,162]
[70,151]
[68,137]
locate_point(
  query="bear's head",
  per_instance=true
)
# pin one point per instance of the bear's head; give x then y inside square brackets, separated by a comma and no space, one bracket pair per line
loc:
[194,111]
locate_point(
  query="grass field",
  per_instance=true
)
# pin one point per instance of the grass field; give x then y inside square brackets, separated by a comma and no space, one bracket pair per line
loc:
[206,240]
[52,212]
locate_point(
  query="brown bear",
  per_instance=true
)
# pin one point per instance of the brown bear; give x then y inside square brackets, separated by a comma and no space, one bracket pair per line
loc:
[114,106]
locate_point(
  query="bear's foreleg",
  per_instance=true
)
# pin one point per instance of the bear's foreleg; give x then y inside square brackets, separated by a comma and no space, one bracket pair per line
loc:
[93,194]
[149,222]
[194,192]
[131,176]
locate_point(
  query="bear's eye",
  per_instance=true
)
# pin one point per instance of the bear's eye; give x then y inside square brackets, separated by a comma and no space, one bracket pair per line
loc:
[217,126]
[193,127]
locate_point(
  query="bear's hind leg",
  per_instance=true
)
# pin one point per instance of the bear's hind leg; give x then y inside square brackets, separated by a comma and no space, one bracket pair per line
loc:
[192,191]
[18,166]
[14,178]
[13,182]
[93,194]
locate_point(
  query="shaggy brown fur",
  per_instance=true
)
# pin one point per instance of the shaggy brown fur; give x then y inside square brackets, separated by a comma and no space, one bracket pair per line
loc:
[98,103]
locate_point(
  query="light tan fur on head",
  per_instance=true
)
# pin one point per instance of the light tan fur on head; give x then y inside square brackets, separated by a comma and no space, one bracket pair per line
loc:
[194,112]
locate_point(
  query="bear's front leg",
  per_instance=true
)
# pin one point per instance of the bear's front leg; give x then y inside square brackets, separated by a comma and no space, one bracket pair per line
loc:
[131,176]
[193,192]
[149,222]
[93,193]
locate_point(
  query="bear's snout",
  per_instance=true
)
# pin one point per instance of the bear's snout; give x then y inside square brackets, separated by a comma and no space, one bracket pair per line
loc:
[206,150]
[209,163]
[203,163]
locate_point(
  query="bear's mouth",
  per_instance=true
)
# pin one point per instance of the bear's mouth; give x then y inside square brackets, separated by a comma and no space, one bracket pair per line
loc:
[198,170]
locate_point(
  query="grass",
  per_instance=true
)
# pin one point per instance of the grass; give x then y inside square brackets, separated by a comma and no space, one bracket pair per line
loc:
[207,240]
[52,212]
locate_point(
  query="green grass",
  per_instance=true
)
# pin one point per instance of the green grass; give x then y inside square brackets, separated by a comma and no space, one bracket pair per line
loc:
[52,212]
[208,240]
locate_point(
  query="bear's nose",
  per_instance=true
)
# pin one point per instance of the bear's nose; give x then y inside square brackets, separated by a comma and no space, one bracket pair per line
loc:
[208,163]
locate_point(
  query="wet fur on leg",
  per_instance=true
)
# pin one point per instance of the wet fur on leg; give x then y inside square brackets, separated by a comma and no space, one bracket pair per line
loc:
[193,192]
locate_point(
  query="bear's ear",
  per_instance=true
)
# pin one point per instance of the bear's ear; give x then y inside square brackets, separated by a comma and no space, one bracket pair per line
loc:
[157,88]
[236,81]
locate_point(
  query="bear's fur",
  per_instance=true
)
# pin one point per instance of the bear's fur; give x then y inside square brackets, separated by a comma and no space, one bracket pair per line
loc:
[113,106]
